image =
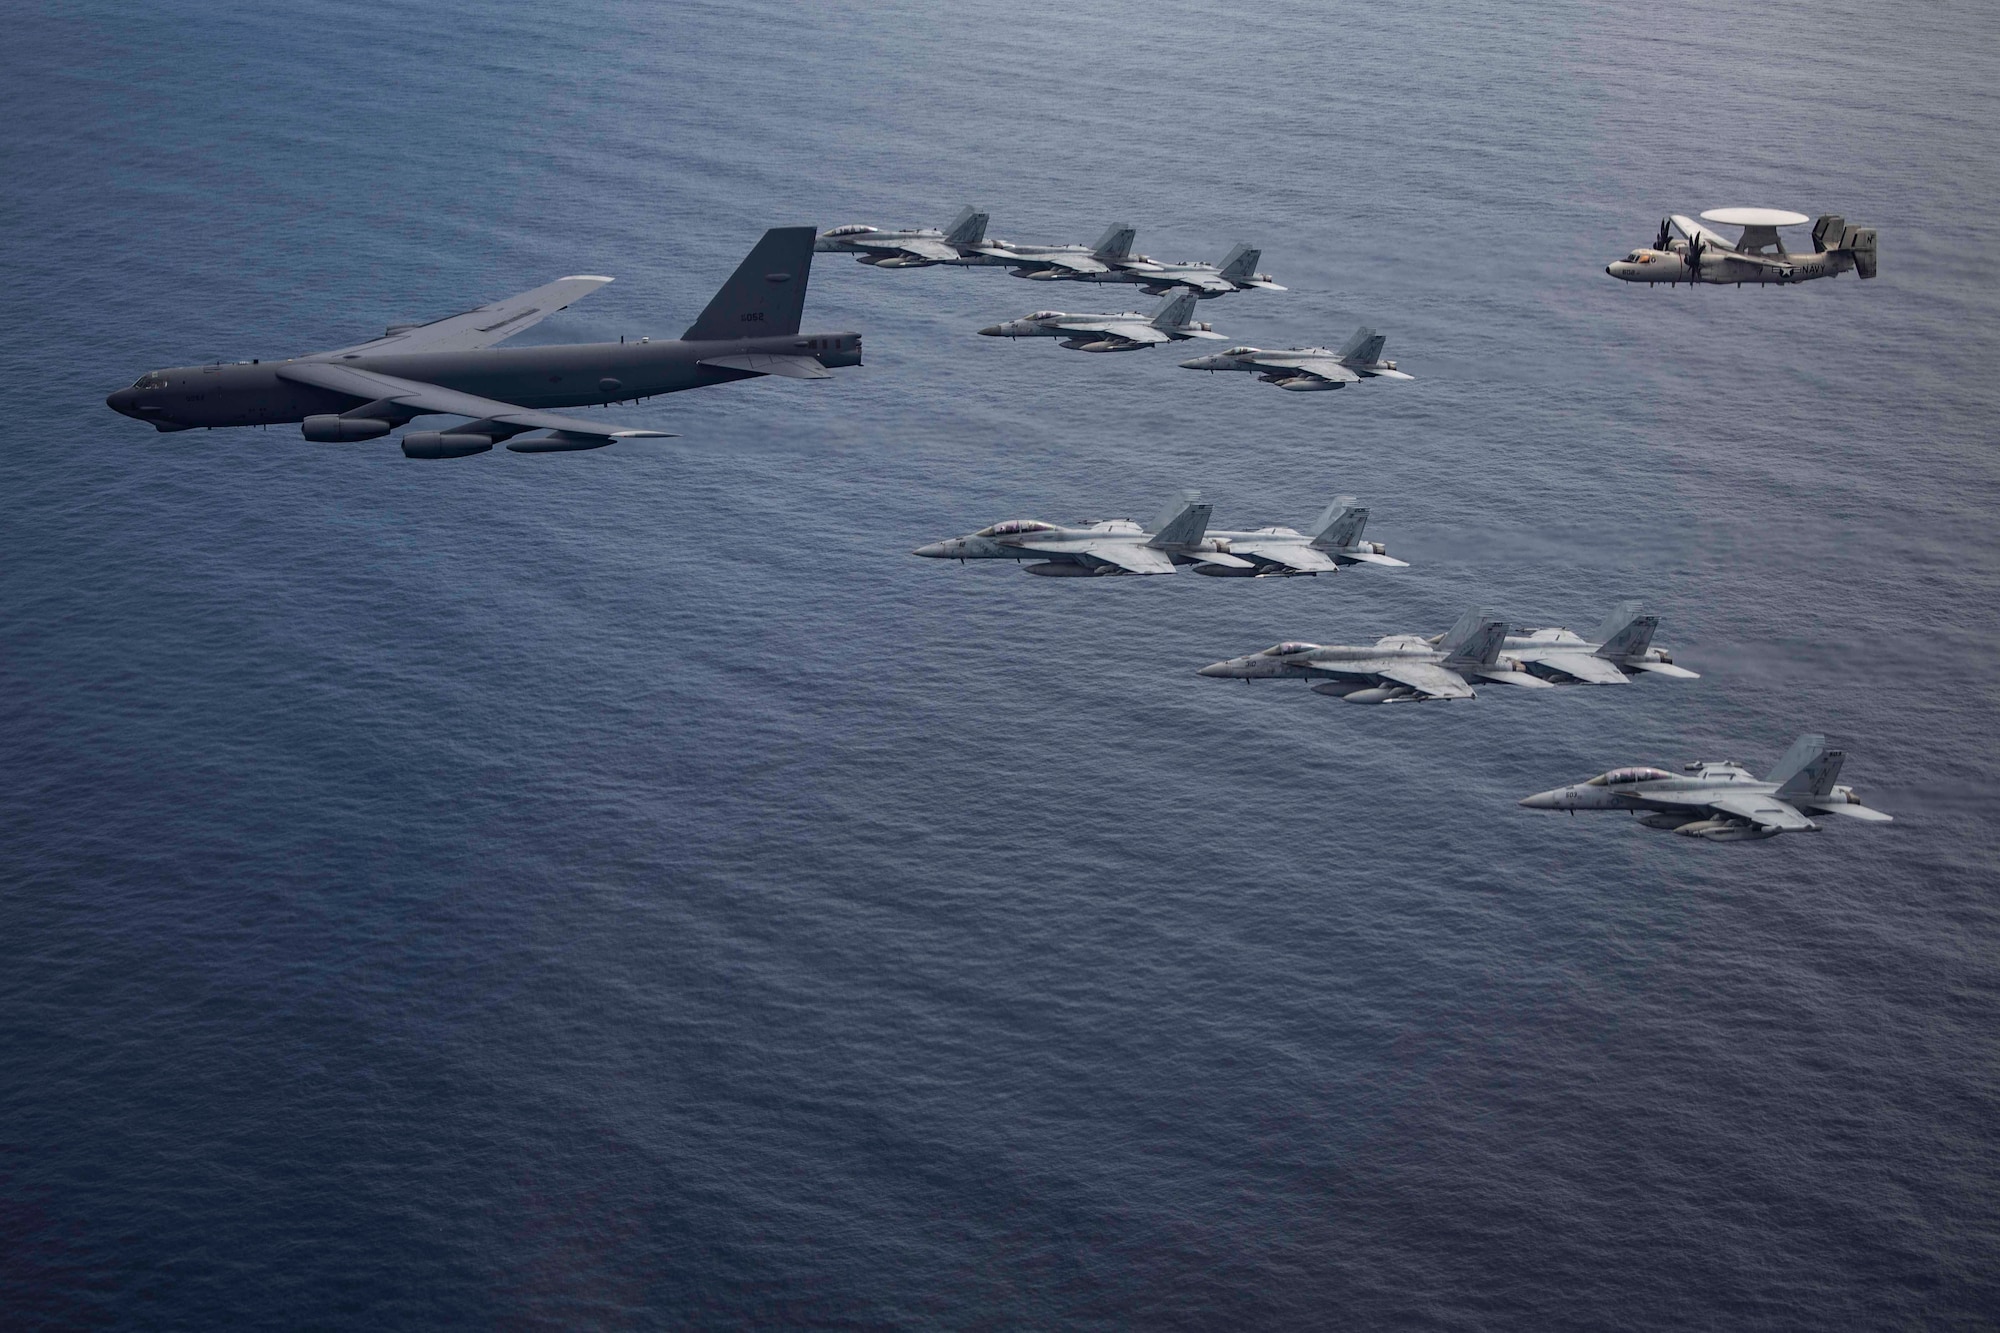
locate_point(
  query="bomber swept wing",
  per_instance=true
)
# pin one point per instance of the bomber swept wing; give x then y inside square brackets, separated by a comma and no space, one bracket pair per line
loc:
[480,327]
[374,386]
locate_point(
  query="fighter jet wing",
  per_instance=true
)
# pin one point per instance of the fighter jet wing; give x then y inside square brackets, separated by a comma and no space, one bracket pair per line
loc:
[771,363]
[1074,263]
[373,385]
[1372,558]
[1292,555]
[1763,810]
[1667,669]
[1426,678]
[920,247]
[1325,368]
[1208,282]
[1218,559]
[1136,330]
[481,327]
[1128,556]
[1577,666]
[1520,678]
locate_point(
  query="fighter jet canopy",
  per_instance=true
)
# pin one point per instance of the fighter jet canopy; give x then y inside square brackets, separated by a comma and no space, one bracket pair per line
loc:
[1618,777]
[1287,649]
[1014,527]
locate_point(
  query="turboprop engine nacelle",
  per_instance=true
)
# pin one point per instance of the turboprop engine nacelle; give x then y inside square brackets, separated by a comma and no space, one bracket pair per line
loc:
[442,444]
[343,430]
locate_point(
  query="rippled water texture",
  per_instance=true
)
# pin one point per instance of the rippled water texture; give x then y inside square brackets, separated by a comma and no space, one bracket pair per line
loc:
[627,889]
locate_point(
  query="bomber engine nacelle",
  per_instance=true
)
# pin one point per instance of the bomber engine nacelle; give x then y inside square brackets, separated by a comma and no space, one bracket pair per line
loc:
[343,430]
[443,444]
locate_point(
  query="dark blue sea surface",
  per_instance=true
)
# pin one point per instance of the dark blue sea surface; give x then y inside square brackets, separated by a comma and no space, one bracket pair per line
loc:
[628,890]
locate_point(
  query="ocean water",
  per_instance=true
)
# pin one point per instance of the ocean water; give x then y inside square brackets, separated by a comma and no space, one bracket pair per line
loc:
[628,890]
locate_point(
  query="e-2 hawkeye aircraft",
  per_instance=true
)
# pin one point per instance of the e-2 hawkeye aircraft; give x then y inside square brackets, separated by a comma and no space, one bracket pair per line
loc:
[1699,255]
[1722,801]
[452,367]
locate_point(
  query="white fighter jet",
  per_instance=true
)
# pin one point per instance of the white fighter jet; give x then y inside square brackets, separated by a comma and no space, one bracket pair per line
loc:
[1620,650]
[1179,537]
[917,247]
[1309,369]
[1124,332]
[1686,251]
[1401,668]
[1723,802]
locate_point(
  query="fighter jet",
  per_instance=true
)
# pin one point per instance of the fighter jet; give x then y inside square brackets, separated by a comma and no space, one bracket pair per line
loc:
[451,367]
[1237,272]
[1700,255]
[1051,262]
[1333,544]
[1619,650]
[1402,668]
[917,248]
[1120,546]
[1126,332]
[1309,369]
[1103,547]
[1722,801]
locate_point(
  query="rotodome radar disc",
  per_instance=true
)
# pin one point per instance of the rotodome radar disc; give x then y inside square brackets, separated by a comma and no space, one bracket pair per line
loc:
[1755,217]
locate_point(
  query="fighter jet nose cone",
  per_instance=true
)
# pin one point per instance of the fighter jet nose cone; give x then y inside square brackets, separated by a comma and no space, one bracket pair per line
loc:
[934,551]
[993,331]
[1544,800]
[1198,363]
[1215,669]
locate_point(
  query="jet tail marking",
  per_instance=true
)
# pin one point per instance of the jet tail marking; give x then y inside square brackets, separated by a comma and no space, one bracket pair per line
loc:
[968,228]
[766,295]
[1182,522]
[1808,768]
[1341,525]
[1175,311]
[1625,632]
[1241,262]
[1116,243]
[1364,348]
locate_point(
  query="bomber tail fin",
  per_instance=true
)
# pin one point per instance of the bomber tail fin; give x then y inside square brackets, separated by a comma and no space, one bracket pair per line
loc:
[1116,243]
[968,228]
[1241,262]
[1625,632]
[1182,522]
[1341,525]
[1364,348]
[1175,311]
[1808,768]
[766,295]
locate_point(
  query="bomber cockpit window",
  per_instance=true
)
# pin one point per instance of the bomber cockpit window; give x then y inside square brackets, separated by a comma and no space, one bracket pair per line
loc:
[1287,649]
[1014,527]
[152,379]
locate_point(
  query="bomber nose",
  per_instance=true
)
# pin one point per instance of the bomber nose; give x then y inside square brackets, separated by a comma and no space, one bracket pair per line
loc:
[120,402]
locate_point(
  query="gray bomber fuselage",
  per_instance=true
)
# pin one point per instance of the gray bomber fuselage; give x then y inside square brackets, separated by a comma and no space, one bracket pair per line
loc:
[553,376]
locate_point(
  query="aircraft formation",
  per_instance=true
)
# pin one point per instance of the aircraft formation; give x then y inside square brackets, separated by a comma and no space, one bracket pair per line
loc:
[751,328]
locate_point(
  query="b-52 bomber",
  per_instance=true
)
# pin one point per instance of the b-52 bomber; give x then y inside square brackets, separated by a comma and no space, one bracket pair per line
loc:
[1401,668]
[1310,369]
[1698,255]
[452,367]
[1178,538]
[1127,331]
[1723,802]
[920,247]
[1620,650]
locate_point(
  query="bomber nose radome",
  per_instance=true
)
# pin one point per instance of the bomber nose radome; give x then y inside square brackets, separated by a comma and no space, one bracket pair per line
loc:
[120,402]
